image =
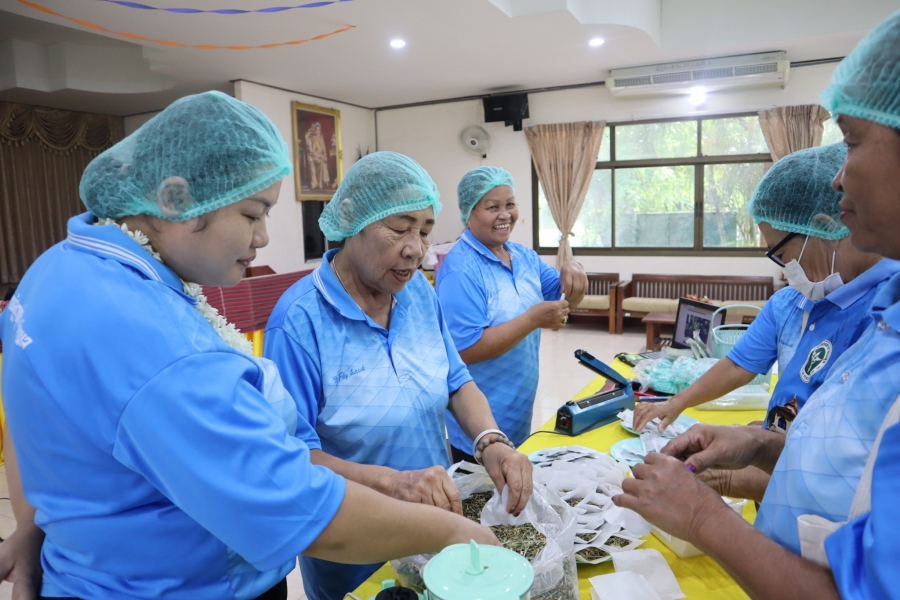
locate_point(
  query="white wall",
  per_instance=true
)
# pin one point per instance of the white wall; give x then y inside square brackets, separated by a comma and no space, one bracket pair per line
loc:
[429,135]
[133,122]
[285,250]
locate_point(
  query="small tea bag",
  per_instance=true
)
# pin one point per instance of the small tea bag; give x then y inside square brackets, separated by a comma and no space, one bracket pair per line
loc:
[653,442]
[626,585]
[620,543]
[628,519]
[591,554]
[651,564]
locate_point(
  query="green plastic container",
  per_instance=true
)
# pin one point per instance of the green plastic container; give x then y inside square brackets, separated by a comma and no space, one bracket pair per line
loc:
[474,572]
[724,337]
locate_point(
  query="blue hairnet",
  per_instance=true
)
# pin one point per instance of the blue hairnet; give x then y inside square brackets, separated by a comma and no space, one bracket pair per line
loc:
[866,84]
[796,194]
[201,153]
[475,184]
[376,186]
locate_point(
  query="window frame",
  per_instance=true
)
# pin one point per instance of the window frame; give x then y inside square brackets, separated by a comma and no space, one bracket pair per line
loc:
[699,162]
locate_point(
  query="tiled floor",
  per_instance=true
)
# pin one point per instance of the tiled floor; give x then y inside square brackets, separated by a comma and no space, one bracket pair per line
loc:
[561,378]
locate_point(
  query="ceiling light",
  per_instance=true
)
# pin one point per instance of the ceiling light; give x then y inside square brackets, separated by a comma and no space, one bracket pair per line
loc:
[398,43]
[596,42]
[698,96]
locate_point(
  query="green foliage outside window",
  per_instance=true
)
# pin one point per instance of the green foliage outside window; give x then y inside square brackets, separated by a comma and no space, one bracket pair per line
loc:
[653,205]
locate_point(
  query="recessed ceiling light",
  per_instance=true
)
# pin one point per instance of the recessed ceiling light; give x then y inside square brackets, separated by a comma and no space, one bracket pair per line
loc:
[398,43]
[698,96]
[596,42]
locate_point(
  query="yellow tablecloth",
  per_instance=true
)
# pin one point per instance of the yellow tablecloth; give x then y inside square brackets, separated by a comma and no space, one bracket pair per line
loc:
[700,577]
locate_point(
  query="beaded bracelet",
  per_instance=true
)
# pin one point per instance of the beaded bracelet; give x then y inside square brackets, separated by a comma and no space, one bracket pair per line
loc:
[481,443]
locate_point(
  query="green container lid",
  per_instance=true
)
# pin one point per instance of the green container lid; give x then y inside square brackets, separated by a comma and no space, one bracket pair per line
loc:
[473,572]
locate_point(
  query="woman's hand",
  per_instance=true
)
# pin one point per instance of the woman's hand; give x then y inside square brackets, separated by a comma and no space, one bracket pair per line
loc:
[749,482]
[715,446]
[426,486]
[645,412]
[550,314]
[20,561]
[509,467]
[668,495]
[573,281]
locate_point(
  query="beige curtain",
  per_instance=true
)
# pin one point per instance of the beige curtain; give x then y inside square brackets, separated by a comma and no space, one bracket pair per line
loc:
[43,153]
[564,157]
[791,128]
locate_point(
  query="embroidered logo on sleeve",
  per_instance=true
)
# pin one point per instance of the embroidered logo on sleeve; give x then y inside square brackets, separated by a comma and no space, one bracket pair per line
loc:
[17,315]
[815,361]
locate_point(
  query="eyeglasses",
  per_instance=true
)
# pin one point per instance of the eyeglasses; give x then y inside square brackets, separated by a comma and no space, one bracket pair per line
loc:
[771,254]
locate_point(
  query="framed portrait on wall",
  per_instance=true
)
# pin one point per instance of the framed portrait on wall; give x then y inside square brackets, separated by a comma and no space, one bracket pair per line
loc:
[318,169]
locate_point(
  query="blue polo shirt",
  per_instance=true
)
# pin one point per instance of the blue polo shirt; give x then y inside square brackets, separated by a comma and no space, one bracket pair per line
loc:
[375,396]
[804,357]
[477,291]
[831,438]
[146,444]
[864,553]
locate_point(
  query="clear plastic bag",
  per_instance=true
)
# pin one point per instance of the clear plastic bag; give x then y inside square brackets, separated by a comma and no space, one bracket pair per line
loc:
[555,573]
[747,397]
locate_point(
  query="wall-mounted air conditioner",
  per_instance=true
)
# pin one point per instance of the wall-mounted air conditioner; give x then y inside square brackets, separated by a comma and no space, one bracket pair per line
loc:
[767,69]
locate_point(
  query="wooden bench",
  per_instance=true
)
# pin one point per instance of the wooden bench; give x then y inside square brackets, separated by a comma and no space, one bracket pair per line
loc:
[599,300]
[647,293]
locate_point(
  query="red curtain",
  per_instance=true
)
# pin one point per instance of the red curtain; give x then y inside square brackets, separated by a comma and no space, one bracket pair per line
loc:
[42,155]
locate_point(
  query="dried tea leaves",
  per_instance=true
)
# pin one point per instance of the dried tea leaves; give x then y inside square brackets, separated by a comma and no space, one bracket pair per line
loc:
[522,539]
[592,553]
[474,504]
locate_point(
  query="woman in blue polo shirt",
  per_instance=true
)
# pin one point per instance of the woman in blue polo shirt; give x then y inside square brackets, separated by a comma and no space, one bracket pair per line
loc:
[362,341]
[806,326]
[497,295]
[157,455]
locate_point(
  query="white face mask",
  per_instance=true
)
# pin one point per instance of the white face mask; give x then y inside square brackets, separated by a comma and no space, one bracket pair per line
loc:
[798,280]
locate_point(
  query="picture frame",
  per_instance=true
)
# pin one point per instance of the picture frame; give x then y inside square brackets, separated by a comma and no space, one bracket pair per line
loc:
[318,155]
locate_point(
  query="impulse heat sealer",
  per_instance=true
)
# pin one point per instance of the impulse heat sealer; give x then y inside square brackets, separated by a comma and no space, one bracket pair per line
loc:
[578,416]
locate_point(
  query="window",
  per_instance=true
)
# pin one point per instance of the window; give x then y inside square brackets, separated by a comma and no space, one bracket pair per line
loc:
[832,134]
[675,186]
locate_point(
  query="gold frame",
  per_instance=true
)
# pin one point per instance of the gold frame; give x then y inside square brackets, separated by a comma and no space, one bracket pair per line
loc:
[295,148]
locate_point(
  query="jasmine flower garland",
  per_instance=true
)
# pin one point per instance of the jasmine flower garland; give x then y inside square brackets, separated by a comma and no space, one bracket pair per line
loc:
[230,334]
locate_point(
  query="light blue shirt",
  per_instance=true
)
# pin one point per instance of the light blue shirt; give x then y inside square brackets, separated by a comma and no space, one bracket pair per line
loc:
[830,440]
[375,396]
[865,565]
[835,323]
[477,291]
[146,444]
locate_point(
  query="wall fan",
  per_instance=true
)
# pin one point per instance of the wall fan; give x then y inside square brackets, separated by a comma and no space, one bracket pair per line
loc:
[475,139]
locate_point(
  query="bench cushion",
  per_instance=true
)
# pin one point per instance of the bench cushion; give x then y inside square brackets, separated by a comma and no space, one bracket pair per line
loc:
[594,303]
[669,305]
[649,304]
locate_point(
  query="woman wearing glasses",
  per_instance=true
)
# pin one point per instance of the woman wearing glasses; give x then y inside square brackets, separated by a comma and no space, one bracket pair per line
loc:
[806,326]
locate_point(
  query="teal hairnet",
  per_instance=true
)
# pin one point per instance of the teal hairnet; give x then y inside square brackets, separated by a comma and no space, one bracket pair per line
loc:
[201,153]
[376,186]
[866,84]
[475,184]
[796,194]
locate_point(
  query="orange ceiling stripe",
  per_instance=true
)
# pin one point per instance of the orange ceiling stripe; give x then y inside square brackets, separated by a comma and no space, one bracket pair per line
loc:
[135,36]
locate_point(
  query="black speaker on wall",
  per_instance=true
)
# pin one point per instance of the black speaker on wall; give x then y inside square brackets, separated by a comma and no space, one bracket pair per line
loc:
[510,108]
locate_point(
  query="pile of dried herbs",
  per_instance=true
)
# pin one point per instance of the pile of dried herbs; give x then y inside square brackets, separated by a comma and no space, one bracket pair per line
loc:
[474,504]
[523,539]
[615,541]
